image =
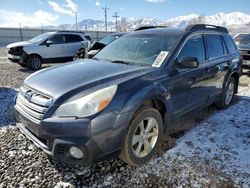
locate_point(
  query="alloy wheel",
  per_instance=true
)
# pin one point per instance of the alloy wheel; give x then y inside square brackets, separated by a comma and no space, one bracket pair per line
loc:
[145,137]
[229,93]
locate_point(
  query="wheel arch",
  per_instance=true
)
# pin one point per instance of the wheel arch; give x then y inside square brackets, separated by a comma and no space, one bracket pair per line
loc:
[35,54]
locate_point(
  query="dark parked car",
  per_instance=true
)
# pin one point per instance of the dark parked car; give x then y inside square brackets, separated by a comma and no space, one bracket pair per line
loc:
[243,42]
[125,99]
[97,46]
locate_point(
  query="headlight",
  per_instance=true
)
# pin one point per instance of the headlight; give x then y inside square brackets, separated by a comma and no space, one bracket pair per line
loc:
[87,105]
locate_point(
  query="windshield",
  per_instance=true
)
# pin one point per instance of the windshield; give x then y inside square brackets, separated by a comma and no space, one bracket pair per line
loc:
[141,49]
[41,37]
[243,39]
[108,39]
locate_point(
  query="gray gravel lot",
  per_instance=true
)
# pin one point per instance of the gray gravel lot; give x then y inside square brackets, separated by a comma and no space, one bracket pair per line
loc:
[3,52]
[23,165]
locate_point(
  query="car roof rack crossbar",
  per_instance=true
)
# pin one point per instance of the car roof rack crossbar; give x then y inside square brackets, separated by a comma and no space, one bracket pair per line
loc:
[206,27]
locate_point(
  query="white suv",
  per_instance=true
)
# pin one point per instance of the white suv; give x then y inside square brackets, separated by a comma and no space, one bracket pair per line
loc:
[51,47]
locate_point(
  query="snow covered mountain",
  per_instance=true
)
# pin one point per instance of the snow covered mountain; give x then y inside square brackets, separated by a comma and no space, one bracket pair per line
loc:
[222,19]
[229,20]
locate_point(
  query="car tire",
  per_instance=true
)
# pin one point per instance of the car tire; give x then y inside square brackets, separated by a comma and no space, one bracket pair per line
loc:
[34,62]
[228,94]
[141,142]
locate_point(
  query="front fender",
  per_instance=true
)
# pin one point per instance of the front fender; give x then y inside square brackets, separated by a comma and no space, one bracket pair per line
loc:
[155,92]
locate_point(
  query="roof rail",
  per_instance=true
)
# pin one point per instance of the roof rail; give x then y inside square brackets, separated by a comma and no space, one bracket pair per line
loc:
[71,31]
[206,27]
[148,27]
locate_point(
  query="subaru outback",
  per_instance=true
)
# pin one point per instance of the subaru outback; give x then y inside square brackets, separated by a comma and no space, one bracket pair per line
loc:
[124,101]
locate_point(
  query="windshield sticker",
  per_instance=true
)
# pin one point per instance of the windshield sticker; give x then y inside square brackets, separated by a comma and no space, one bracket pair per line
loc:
[160,59]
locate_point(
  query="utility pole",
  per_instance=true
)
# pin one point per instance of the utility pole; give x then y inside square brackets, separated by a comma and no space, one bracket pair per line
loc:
[105,15]
[75,12]
[116,23]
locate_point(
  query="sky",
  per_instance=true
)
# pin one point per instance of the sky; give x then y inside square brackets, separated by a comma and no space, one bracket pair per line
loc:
[56,12]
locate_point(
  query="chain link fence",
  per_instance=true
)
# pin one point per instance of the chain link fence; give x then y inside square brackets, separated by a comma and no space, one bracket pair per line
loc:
[10,35]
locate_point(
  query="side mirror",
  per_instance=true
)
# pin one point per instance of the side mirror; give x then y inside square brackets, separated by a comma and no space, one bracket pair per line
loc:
[48,43]
[188,62]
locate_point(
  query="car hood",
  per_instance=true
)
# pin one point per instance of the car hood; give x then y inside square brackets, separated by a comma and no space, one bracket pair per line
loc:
[82,75]
[17,44]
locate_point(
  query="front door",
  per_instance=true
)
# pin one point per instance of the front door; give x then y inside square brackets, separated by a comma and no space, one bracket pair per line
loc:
[189,87]
[57,49]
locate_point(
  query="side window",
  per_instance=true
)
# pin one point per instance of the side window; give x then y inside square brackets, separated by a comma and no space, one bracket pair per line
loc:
[229,43]
[194,47]
[215,47]
[58,39]
[73,38]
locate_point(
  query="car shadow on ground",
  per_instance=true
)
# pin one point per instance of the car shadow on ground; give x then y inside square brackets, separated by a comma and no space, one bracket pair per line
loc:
[27,70]
[246,72]
[7,96]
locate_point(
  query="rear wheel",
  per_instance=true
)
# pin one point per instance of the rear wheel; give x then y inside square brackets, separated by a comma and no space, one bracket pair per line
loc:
[143,137]
[34,62]
[228,94]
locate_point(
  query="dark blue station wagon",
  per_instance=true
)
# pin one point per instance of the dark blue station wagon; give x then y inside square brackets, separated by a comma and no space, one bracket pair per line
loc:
[124,100]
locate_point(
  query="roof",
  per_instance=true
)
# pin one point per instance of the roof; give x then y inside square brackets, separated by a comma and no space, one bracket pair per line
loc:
[179,31]
[118,33]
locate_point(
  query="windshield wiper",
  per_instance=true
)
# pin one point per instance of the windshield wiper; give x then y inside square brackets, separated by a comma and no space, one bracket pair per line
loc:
[120,61]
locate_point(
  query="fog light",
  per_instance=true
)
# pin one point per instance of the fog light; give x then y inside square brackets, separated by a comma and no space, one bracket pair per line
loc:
[76,152]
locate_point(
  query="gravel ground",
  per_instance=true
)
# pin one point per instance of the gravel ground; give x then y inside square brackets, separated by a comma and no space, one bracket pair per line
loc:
[202,157]
[3,52]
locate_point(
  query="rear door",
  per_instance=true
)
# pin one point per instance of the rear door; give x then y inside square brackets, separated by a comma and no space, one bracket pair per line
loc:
[219,62]
[74,43]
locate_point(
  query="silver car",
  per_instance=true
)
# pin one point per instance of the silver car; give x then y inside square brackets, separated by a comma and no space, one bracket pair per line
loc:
[50,47]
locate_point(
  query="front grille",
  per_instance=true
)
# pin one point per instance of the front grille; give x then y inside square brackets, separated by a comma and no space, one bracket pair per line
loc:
[32,104]
[60,149]
[16,51]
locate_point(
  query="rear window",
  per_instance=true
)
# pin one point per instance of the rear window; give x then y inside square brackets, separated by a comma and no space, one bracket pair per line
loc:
[243,39]
[229,43]
[215,47]
[73,38]
[88,37]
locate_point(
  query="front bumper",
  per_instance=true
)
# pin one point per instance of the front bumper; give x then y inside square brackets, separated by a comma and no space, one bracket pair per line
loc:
[17,56]
[97,138]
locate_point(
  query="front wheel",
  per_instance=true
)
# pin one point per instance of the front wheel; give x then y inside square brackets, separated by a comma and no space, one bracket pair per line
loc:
[34,62]
[143,137]
[228,94]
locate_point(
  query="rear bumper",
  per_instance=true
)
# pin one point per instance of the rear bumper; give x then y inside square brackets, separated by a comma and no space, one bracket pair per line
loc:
[245,54]
[55,137]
